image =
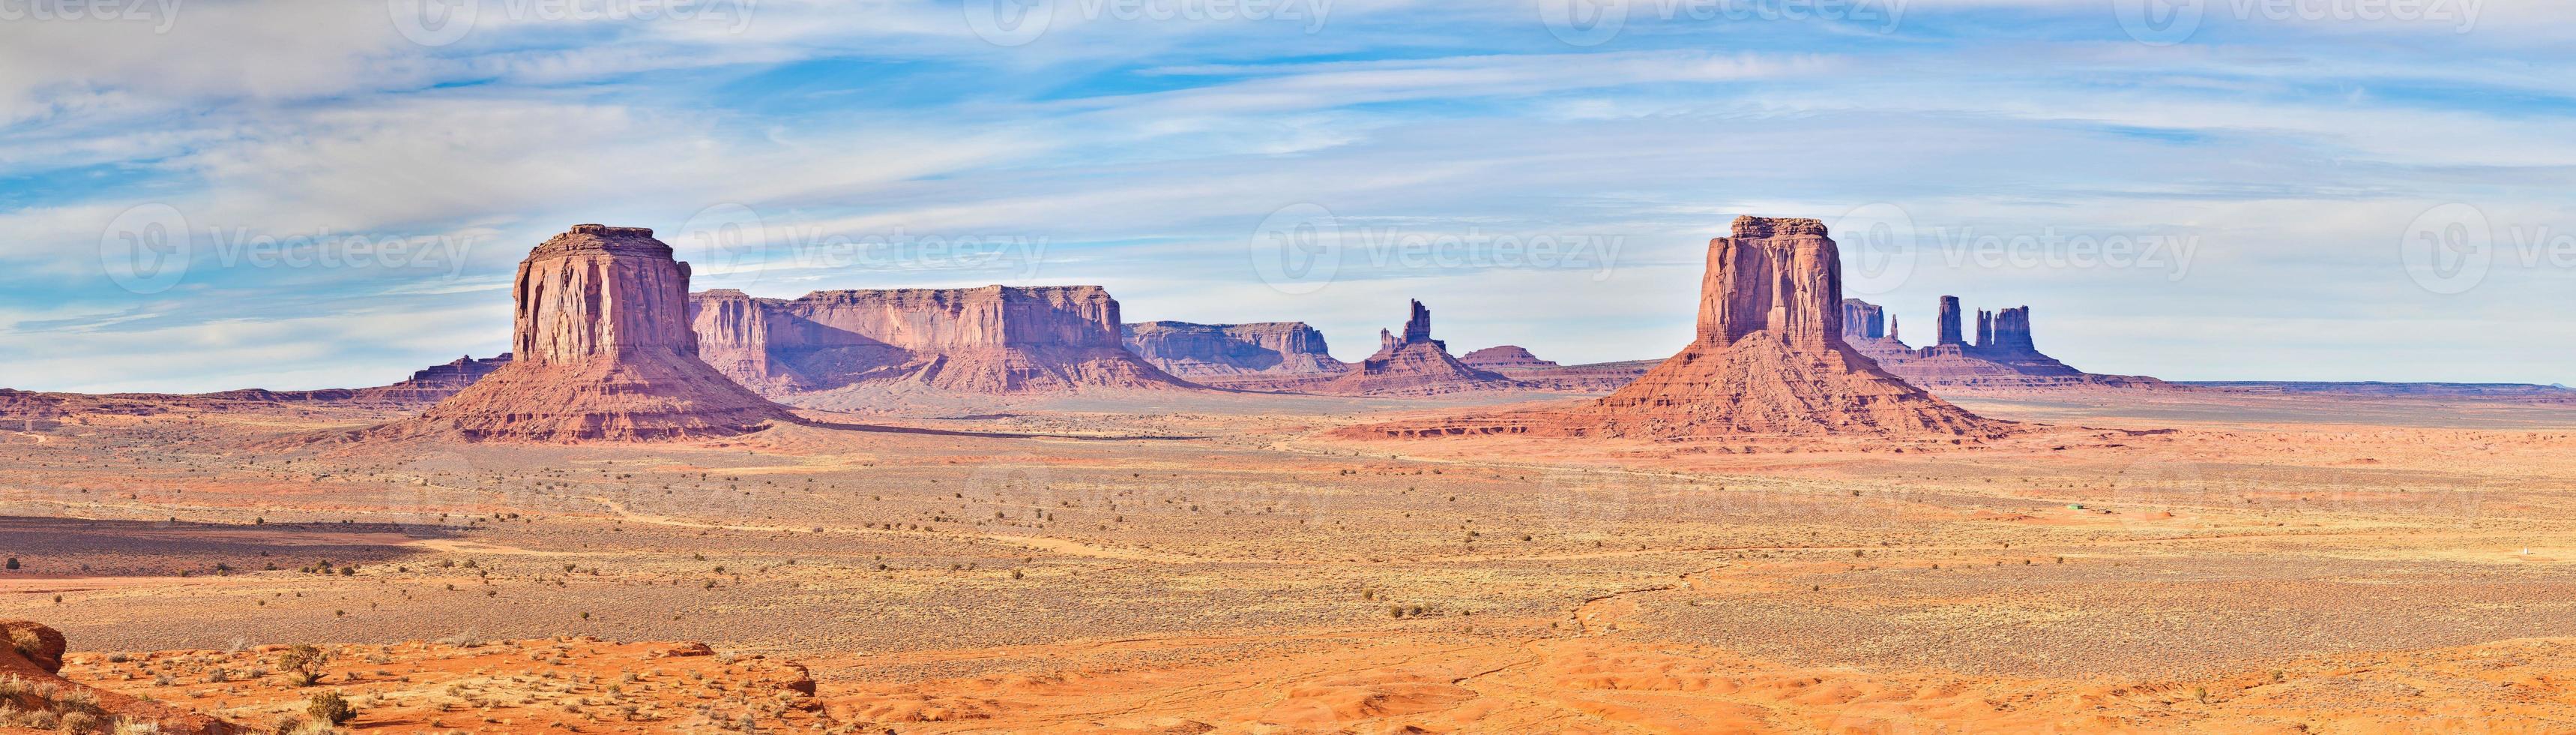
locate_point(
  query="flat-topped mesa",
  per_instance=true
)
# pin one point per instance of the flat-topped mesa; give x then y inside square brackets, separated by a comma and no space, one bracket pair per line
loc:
[1776,275]
[600,291]
[1769,359]
[1505,357]
[603,351]
[993,339]
[1202,352]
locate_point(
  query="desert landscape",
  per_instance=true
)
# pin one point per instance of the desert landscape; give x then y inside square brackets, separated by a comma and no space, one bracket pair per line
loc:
[981,510]
[1287,367]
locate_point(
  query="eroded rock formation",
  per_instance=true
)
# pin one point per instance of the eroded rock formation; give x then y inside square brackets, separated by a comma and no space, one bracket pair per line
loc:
[603,350]
[1863,320]
[1214,354]
[1769,359]
[2003,358]
[1949,324]
[995,339]
[1412,364]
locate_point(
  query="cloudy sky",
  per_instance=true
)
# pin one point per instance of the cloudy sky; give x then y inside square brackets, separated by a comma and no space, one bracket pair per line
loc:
[201,195]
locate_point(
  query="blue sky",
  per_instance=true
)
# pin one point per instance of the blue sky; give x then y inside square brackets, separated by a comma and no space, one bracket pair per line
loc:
[208,195]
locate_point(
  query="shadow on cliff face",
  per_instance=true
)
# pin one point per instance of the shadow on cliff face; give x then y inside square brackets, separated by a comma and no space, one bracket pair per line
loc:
[57,548]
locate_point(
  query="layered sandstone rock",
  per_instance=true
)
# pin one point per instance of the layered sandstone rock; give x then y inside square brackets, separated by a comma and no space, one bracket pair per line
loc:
[995,339]
[32,655]
[603,350]
[1863,320]
[2003,358]
[1598,377]
[1212,354]
[1505,357]
[1412,364]
[1949,325]
[1769,359]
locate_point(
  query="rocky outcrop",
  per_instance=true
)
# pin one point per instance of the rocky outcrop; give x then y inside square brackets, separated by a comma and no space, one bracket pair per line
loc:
[1949,325]
[1769,360]
[995,339]
[2002,359]
[1863,320]
[1213,354]
[1505,358]
[602,350]
[33,656]
[1412,364]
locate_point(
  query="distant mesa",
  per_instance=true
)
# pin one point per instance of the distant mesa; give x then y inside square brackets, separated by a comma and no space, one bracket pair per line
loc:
[2002,357]
[1530,372]
[1505,357]
[1258,356]
[602,350]
[1769,360]
[1412,363]
[989,340]
[436,382]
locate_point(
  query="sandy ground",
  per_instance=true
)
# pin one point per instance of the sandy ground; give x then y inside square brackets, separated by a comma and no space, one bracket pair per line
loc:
[2148,564]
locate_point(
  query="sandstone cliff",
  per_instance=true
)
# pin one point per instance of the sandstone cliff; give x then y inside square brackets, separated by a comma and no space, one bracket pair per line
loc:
[1769,359]
[1212,354]
[1412,364]
[603,350]
[995,339]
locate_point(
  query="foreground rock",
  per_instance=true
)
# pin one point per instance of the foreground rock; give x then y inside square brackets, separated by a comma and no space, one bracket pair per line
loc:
[603,350]
[995,339]
[1770,359]
[34,696]
[2003,357]
[1259,356]
[1412,364]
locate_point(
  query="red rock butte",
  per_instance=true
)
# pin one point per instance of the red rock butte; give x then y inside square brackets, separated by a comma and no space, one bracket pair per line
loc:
[602,350]
[1769,359]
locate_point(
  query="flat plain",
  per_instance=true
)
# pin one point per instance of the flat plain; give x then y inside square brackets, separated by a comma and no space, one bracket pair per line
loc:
[1191,562]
